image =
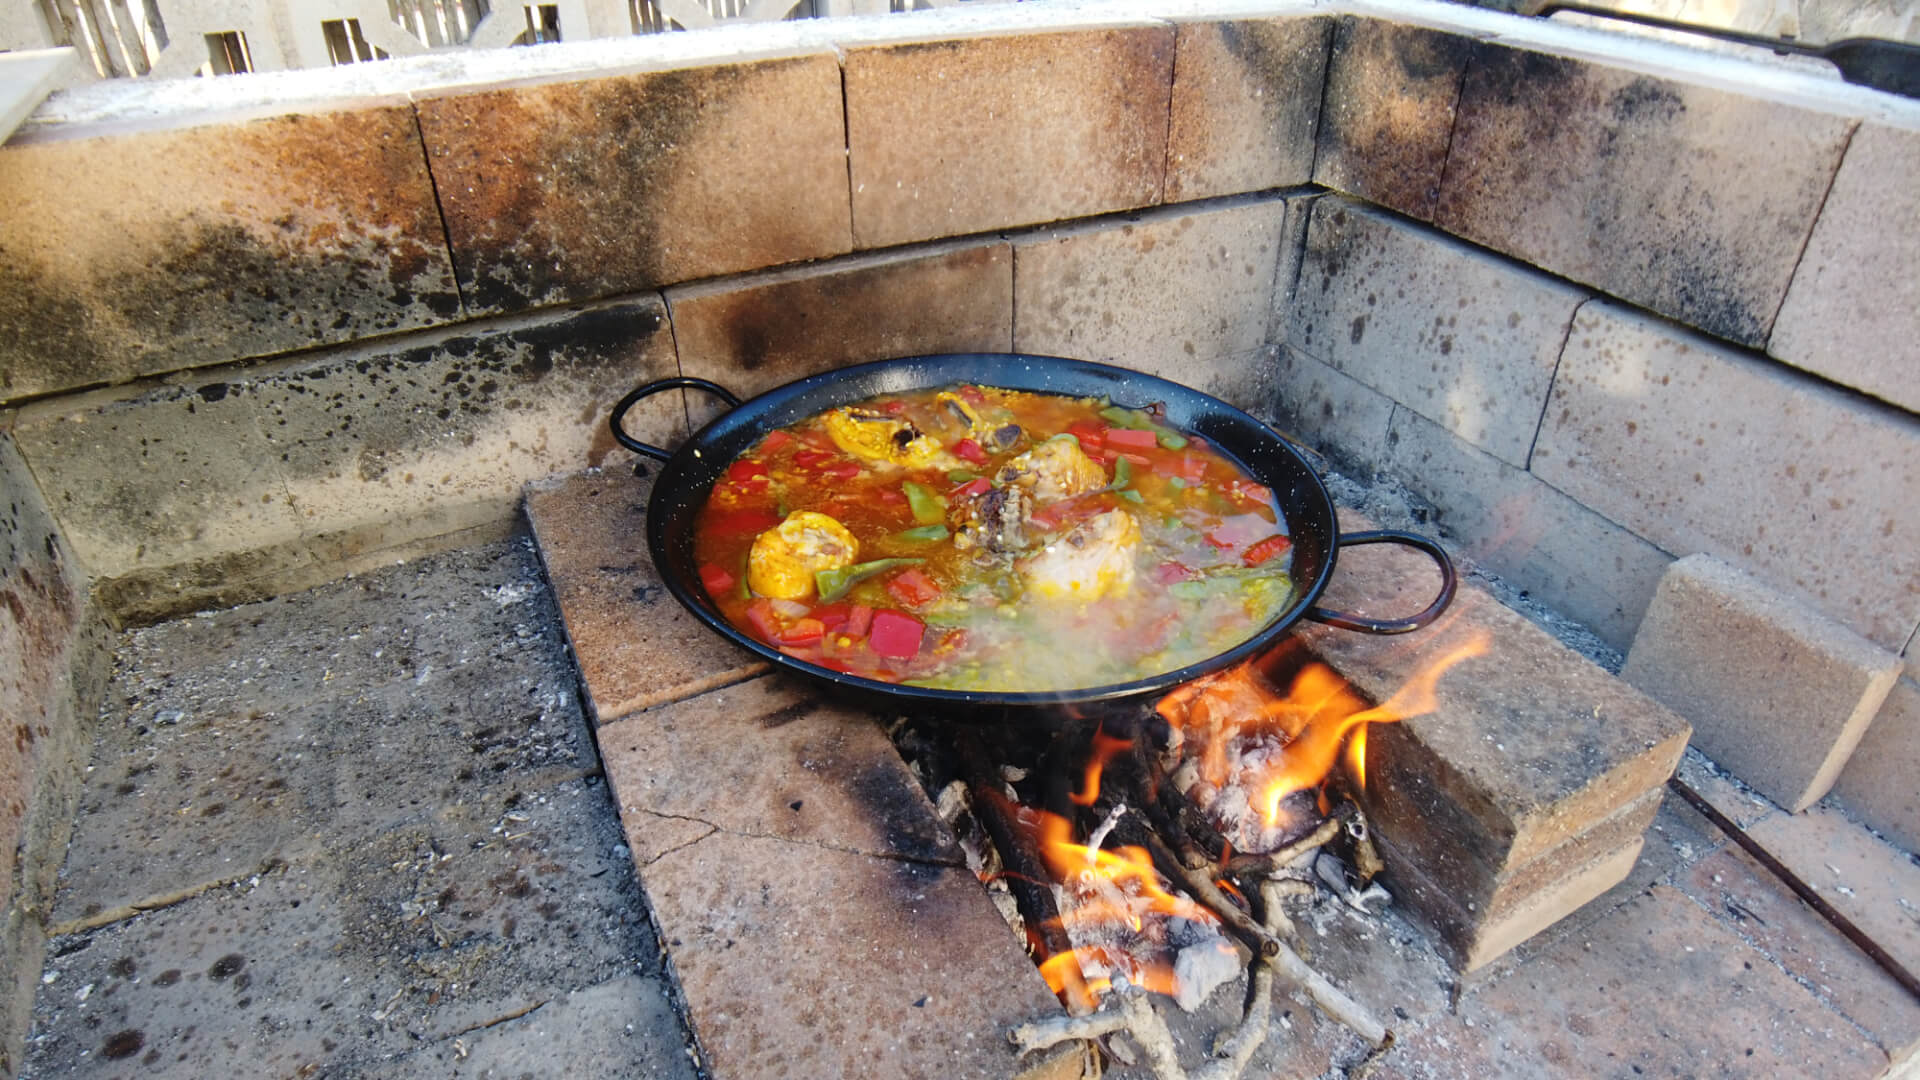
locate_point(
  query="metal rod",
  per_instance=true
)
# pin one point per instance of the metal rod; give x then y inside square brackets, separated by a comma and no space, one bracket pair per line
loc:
[1800,888]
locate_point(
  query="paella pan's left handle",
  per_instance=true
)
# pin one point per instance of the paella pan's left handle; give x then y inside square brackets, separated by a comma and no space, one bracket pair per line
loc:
[1393,626]
[678,382]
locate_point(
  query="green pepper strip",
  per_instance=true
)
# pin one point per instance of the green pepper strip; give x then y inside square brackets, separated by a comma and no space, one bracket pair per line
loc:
[1122,474]
[833,584]
[961,476]
[928,508]
[925,534]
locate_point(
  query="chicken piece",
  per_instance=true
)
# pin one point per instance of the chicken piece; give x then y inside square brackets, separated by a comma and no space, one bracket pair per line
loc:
[783,559]
[996,521]
[1056,469]
[1092,561]
[878,439]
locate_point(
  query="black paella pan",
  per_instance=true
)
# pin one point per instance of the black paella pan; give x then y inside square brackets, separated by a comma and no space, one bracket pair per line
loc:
[688,474]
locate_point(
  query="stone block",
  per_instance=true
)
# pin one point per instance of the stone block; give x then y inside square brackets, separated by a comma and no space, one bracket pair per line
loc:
[1697,447]
[1525,530]
[634,645]
[1775,693]
[1391,91]
[1621,181]
[418,934]
[136,253]
[1607,1001]
[955,137]
[199,485]
[567,191]
[1466,339]
[755,333]
[800,960]
[1183,294]
[1319,407]
[1870,882]
[1761,909]
[265,732]
[1850,313]
[1880,783]
[772,757]
[1515,798]
[1246,105]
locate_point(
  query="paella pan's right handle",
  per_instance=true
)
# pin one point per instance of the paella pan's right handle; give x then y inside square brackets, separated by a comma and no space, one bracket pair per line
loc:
[678,382]
[1393,626]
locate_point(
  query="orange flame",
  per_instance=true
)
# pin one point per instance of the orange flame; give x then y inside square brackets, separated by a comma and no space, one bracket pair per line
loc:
[1104,747]
[1310,756]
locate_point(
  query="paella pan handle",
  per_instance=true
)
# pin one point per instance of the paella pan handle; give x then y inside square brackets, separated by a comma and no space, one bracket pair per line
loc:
[1393,626]
[678,382]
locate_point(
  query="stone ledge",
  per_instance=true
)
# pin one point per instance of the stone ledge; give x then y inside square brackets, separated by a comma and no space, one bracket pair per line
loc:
[1878,784]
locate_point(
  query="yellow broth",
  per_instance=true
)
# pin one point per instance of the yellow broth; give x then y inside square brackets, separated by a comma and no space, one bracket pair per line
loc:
[1209,567]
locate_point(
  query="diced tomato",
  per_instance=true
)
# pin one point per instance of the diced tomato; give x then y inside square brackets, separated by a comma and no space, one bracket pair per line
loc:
[774,441]
[1266,549]
[811,459]
[716,579]
[896,634]
[743,522]
[845,470]
[968,450]
[912,587]
[1169,572]
[1092,436]
[760,614]
[971,395]
[859,620]
[894,408]
[800,632]
[1129,439]
[832,616]
[979,485]
[744,470]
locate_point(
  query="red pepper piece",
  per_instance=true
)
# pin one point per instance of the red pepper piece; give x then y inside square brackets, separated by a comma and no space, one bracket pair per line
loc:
[832,616]
[800,632]
[774,441]
[845,470]
[1265,549]
[760,614]
[971,395]
[890,496]
[912,587]
[968,450]
[811,459]
[1092,436]
[979,485]
[744,470]
[894,408]
[896,635]
[1189,467]
[716,579]
[1129,439]
[1139,461]
[859,620]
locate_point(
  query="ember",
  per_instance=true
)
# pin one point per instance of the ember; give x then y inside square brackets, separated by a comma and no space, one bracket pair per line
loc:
[1222,801]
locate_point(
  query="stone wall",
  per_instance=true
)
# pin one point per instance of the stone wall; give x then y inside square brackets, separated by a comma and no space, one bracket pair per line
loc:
[1604,301]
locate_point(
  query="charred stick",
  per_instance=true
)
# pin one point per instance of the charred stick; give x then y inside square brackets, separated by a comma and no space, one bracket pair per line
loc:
[1201,885]
[1330,999]
[1026,873]
[1280,860]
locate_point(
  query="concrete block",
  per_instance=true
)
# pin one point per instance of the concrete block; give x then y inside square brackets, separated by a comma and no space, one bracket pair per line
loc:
[1880,784]
[192,489]
[1762,909]
[136,253]
[773,757]
[755,333]
[1776,693]
[567,191]
[1317,406]
[1391,91]
[1852,313]
[1513,799]
[760,932]
[1183,294]
[1698,447]
[1246,105]
[1522,528]
[955,137]
[1622,181]
[1464,338]
[1586,999]
[635,647]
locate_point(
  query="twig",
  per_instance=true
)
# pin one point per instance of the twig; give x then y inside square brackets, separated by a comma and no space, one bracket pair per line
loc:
[1197,882]
[1328,997]
[1280,860]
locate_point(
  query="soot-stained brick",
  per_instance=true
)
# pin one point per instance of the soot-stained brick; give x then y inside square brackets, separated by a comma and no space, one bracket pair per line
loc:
[568,191]
[126,255]
[1390,99]
[1246,104]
